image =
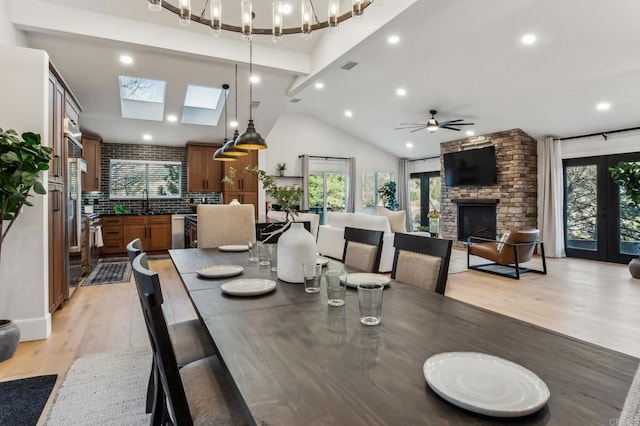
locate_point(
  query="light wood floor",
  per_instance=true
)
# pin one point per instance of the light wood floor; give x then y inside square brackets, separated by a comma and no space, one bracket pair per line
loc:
[593,301]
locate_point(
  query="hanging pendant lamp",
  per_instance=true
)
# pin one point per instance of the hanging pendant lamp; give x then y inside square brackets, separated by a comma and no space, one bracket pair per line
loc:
[251,139]
[229,148]
[219,155]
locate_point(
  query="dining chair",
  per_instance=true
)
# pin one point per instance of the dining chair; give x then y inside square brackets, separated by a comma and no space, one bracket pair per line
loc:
[506,255]
[197,393]
[421,261]
[190,338]
[362,249]
[225,224]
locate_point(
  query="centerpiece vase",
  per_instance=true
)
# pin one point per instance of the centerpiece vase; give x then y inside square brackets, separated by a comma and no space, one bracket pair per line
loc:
[634,267]
[295,246]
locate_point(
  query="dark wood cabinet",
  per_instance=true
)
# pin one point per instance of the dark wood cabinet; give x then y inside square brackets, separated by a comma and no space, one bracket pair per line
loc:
[91,154]
[56,131]
[113,235]
[245,187]
[204,174]
[57,245]
[154,231]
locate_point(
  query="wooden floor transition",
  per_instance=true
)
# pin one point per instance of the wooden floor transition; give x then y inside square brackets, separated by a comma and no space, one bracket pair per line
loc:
[593,301]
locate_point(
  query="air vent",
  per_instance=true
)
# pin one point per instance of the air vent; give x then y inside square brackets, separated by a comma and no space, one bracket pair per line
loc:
[349,65]
[255,104]
[295,100]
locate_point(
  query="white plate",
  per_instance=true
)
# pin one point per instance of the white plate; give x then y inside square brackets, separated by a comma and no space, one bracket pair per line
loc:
[248,287]
[365,277]
[320,260]
[237,247]
[220,271]
[485,384]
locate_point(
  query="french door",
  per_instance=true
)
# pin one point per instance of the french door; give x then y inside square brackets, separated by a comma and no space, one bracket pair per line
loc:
[424,192]
[599,222]
[327,192]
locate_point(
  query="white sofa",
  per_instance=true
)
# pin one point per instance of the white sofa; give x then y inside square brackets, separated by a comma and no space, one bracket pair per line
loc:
[331,235]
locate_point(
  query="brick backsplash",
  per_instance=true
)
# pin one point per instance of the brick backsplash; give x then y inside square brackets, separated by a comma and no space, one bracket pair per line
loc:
[100,200]
[516,190]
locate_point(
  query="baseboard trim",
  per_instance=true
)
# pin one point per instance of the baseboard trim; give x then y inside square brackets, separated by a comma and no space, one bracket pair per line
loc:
[34,328]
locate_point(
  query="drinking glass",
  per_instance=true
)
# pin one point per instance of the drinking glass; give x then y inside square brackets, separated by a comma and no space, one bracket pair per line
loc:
[370,303]
[263,253]
[312,274]
[253,251]
[273,257]
[335,287]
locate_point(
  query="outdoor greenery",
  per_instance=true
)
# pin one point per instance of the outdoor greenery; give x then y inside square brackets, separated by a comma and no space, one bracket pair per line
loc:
[129,178]
[627,176]
[371,181]
[336,191]
[21,161]
[287,197]
[387,193]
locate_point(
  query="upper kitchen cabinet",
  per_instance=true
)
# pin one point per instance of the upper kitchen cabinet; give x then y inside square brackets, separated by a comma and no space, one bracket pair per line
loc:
[204,174]
[91,154]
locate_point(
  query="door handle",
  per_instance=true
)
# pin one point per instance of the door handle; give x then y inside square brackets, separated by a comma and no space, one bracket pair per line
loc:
[56,165]
[203,184]
[97,182]
[149,232]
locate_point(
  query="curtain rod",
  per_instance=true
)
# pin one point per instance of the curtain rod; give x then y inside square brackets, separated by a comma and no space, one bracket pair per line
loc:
[425,158]
[603,134]
[326,158]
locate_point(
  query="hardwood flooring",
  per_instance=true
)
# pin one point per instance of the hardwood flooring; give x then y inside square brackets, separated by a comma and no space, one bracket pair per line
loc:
[593,301]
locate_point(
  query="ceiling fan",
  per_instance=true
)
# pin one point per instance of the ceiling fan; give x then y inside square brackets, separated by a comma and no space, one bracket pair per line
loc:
[432,124]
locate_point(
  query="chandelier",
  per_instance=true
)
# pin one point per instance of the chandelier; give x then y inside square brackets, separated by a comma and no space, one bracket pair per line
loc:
[212,16]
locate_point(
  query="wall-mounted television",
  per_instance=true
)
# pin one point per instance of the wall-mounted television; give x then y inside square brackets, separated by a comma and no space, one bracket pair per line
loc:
[471,167]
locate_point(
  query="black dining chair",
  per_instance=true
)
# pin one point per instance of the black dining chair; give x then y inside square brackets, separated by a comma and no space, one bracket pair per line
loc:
[190,338]
[197,393]
[421,261]
[362,248]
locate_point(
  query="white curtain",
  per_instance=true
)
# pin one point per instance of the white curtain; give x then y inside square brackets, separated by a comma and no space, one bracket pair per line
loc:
[404,175]
[551,197]
[351,196]
[305,181]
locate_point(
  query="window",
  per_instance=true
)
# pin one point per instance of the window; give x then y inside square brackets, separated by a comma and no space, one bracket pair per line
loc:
[424,190]
[129,178]
[371,182]
[142,98]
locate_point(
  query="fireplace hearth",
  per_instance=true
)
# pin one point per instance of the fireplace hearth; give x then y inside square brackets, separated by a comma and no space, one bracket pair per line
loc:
[476,219]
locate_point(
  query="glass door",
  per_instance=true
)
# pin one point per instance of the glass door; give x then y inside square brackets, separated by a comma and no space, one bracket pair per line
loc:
[327,192]
[599,222]
[424,190]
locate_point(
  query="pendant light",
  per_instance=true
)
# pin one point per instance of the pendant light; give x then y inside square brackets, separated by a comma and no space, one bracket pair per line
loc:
[251,139]
[229,148]
[219,155]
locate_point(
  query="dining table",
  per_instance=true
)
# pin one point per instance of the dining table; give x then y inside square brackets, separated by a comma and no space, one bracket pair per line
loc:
[294,360]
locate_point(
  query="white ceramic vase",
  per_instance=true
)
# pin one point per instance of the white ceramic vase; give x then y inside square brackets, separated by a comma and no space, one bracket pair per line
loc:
[295,246]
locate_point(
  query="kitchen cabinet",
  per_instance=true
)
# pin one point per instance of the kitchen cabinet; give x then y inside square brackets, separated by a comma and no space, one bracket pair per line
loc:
[154,231]
[204,174]
[57,245]
[91,154]
[245,187]
[113,235]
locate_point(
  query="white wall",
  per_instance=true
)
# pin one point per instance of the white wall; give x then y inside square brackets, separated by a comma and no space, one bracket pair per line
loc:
[9,35]
[428,165]
[24,265]
[295,134]
[589,147]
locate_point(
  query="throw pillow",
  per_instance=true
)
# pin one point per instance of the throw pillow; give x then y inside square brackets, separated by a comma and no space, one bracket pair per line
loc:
[503,240]
[397,219]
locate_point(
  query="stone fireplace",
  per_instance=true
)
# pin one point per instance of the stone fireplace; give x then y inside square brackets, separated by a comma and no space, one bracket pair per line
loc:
[511,202]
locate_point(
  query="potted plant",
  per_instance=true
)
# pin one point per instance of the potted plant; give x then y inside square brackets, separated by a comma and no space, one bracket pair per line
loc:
[387,193]
[281,168]
[627,175]
[21,161]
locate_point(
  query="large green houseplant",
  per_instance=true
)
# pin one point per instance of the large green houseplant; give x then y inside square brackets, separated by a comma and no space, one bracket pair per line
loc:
[21,161]
[627,175]
[387,193]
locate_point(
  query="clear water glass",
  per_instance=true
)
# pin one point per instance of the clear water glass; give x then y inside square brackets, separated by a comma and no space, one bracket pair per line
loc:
[336,287]
[253,251]
[312,273]
[370,303]
[263,254]
[273,257]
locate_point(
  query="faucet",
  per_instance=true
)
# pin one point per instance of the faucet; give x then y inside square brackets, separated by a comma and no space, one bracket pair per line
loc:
[145,202]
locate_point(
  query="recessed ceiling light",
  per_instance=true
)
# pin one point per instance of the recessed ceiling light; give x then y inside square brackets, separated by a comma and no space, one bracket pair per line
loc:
[348,113]
[147,137]
[254,78]
[233,124]
[394,39]
[126,59]
[603,106]
[286,8]
[409,145]
[319,85]
[401,92]
[470,132]
[528,39]
[172,118]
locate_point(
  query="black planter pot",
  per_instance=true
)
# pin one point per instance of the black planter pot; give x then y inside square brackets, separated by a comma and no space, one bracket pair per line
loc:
[9,338]
[634,267]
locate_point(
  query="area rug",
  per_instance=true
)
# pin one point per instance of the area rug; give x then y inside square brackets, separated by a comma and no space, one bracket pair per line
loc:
[458,262]
[104,389]
[24,399]
[110,271]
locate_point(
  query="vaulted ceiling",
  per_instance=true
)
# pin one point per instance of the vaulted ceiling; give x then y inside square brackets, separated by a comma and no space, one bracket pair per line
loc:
[463,58]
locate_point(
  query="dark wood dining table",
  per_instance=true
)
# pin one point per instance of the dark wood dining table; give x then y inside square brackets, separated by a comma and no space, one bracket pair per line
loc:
[294,360]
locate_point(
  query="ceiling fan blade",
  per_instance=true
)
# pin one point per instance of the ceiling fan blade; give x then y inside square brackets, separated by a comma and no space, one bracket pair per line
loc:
[449,128]
[444,123]
[410,127]
[422,128]
[464,124]
[413,124]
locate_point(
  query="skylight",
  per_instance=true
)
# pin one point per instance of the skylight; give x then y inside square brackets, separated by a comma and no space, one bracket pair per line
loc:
[142,98]
[203,105]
